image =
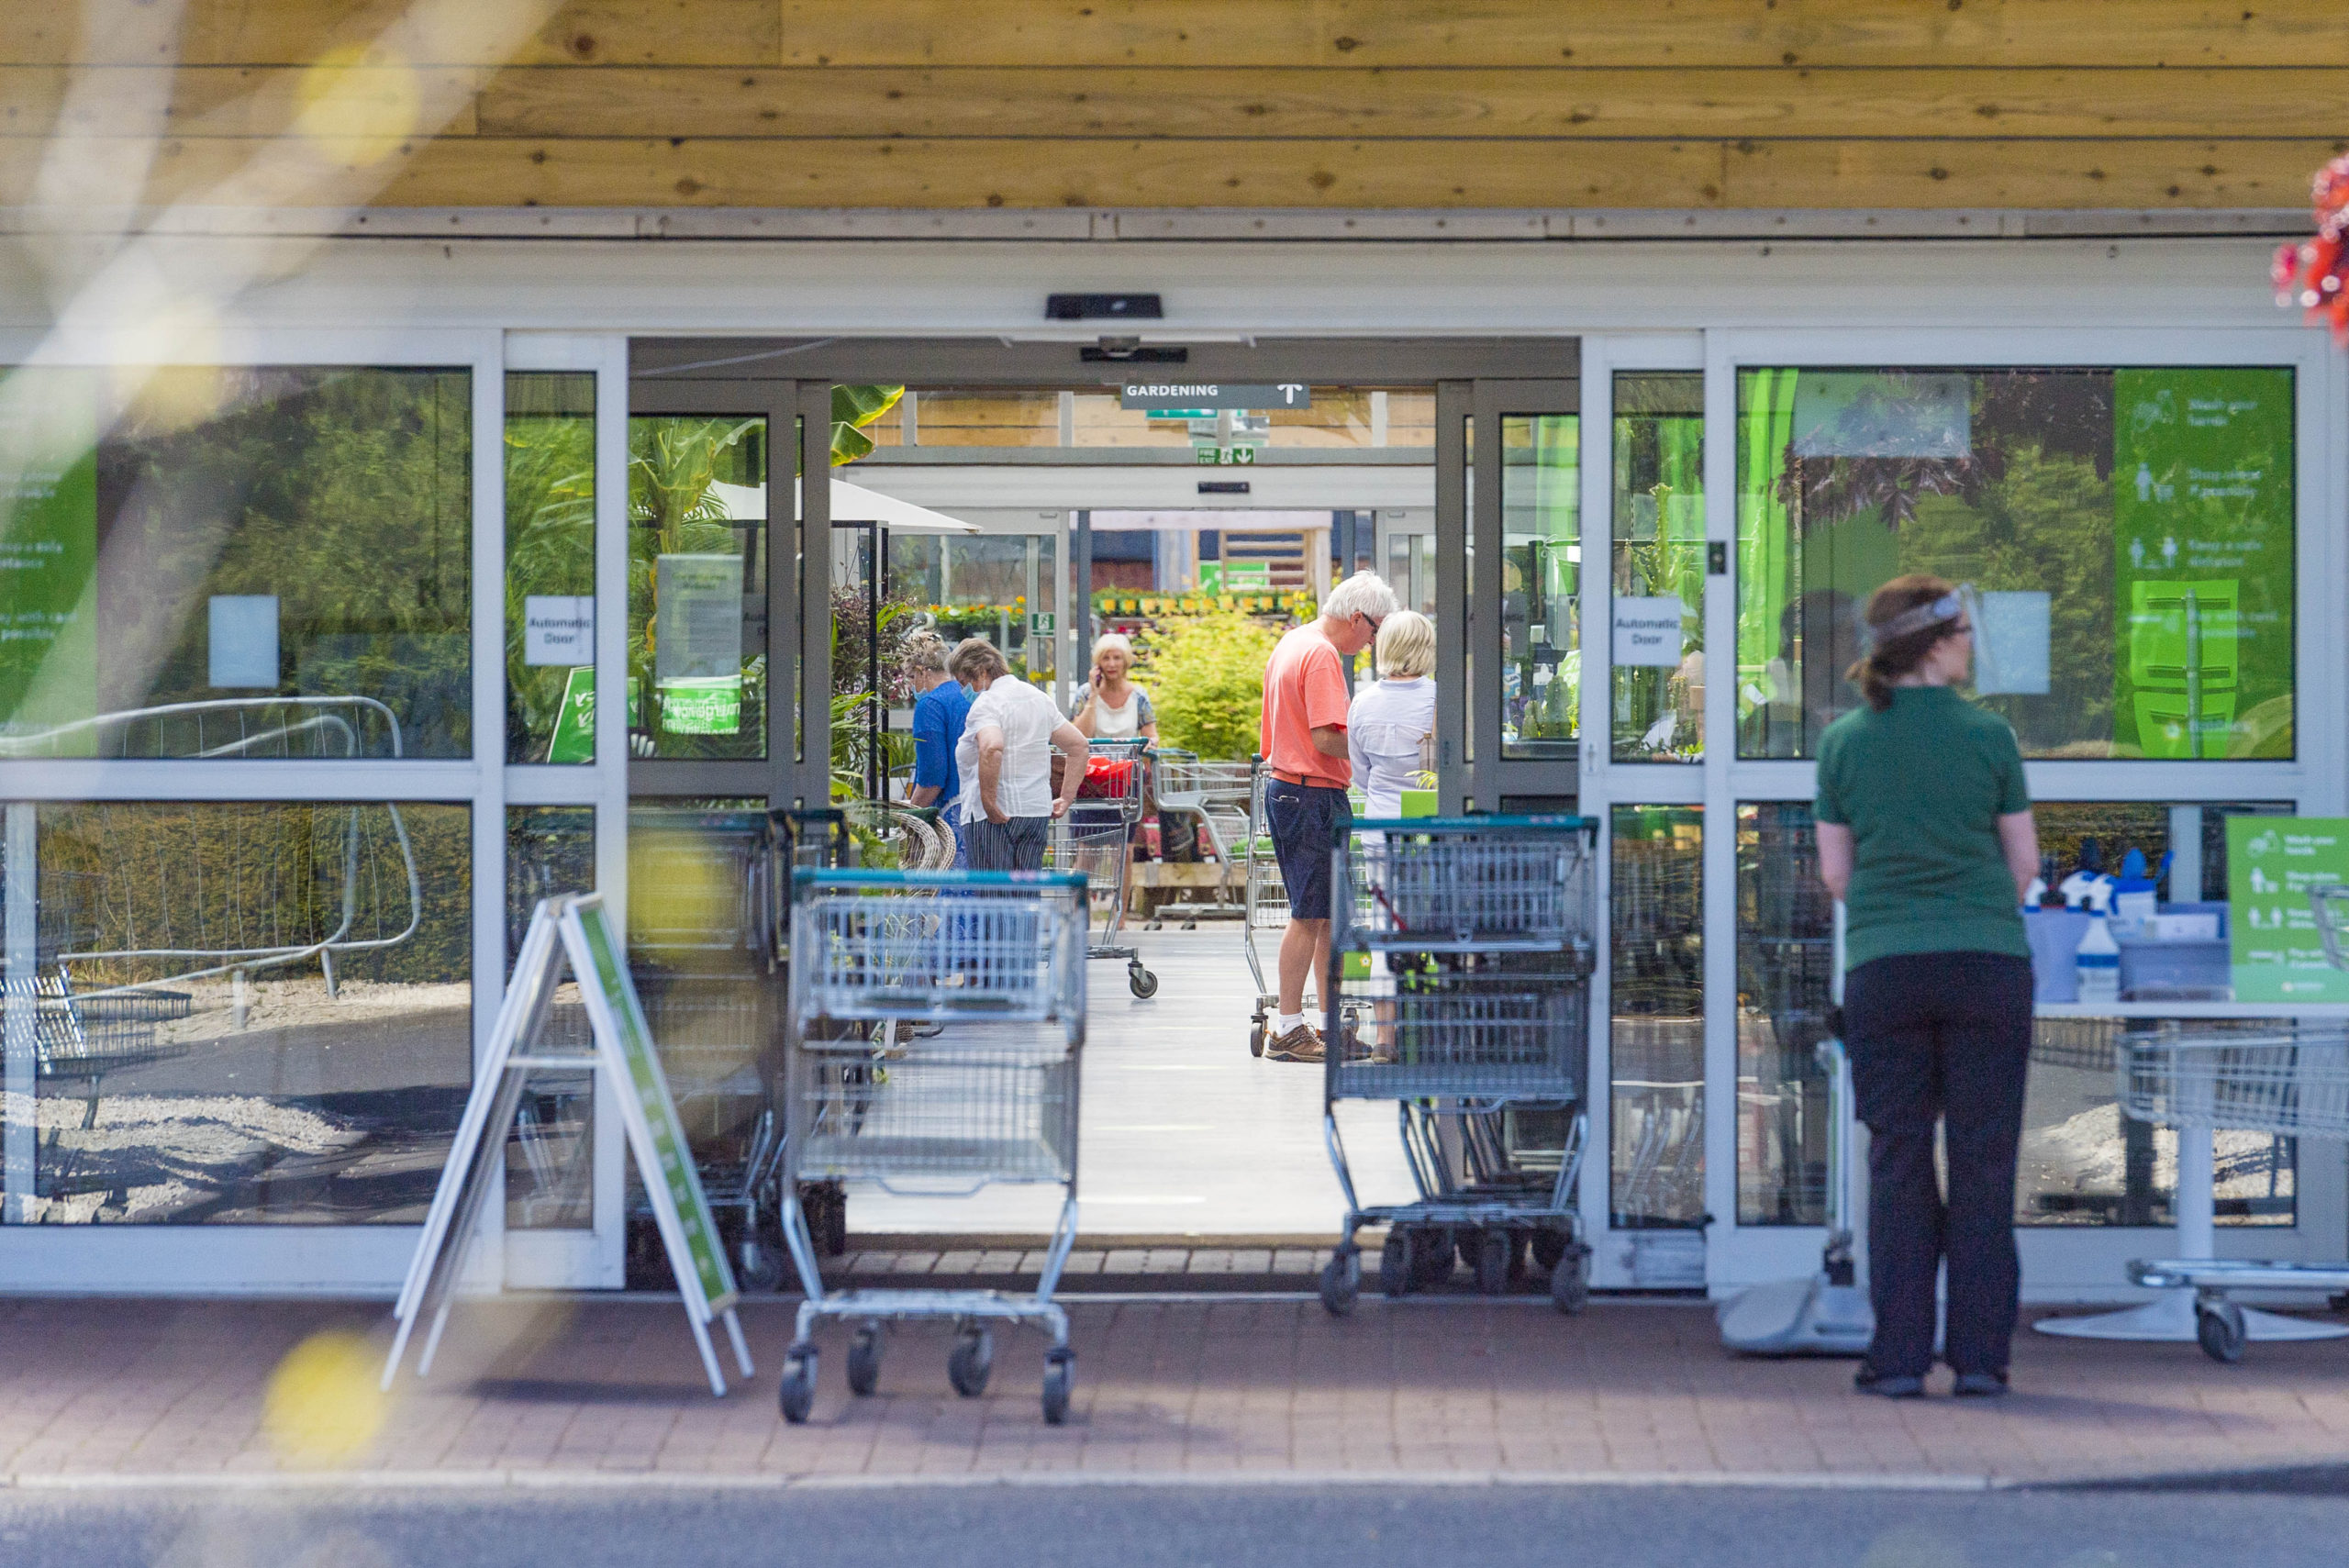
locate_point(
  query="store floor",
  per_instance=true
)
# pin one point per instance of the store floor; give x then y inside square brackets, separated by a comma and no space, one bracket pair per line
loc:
[1181,1132]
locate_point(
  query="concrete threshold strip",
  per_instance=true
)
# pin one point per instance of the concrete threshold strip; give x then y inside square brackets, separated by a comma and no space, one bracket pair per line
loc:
[524,1482]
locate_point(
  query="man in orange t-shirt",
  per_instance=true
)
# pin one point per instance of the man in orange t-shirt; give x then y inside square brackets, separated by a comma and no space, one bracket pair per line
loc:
[1303,736]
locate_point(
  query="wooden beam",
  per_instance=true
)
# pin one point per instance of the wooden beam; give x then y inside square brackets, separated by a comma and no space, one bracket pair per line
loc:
[1256,104]
[905,172]
[1679,33]
[297,32]
[237,101]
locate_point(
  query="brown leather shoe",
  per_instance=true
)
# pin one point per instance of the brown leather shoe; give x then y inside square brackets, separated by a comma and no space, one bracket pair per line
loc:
[1300,1044]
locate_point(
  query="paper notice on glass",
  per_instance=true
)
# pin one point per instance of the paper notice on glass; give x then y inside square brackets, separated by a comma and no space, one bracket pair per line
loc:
[698,634]
[1882,414]
[559,628]
[244,643]
[1647,632]
[2011,646]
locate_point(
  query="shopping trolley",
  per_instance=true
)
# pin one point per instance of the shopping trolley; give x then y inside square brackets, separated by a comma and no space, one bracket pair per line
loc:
[1264,901]
[998,957]
[1214,798]
[1095,840]
[1479,1031]
[2288,1082]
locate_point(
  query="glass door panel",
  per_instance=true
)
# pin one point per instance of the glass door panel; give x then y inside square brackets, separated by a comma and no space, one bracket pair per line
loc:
[1540,653]
[1657,568]
[697,586]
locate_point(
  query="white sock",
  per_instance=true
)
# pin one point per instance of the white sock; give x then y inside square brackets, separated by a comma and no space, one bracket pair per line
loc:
[1284,1022]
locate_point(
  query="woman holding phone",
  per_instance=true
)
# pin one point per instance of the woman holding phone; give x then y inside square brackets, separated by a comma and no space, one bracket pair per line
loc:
[1114,708]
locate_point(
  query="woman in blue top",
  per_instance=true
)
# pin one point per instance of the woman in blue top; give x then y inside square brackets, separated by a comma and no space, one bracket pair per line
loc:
[939,712]
[1925,833]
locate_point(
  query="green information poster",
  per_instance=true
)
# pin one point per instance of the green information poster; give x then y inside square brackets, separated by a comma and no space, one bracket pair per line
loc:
[649,1094]
[48,556]
[574,721]
[2272,861]
[2202,503]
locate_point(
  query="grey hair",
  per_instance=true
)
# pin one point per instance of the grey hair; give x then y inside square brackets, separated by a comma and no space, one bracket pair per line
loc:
[1363,593]
[976,656]
[923,650]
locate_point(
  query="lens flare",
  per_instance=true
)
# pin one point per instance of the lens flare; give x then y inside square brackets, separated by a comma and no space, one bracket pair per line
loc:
[322,1405]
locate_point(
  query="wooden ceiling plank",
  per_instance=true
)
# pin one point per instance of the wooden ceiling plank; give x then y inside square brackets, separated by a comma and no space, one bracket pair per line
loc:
[1265,104]
[1362,33]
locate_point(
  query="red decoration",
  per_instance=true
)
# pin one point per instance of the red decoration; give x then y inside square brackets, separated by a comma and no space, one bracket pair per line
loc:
[2314,273]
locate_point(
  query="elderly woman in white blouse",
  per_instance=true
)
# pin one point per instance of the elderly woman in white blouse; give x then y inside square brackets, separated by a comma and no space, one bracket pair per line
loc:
[1114,708]
[1390,726]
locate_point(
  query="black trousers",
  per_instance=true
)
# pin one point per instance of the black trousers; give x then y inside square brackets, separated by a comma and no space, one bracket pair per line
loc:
[1941,1037]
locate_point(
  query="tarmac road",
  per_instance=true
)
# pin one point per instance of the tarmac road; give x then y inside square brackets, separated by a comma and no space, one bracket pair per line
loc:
[2306,1522]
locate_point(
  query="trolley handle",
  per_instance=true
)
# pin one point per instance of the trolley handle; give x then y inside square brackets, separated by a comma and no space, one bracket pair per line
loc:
[809,878]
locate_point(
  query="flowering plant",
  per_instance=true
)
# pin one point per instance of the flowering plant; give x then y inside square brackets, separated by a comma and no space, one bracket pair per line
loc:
[2314,273]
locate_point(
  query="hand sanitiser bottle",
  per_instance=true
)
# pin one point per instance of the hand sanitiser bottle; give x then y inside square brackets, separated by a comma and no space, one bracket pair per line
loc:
[2099,958]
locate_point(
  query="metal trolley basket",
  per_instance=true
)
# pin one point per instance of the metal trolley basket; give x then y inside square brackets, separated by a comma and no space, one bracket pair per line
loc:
[998,959]
[1215,796]
[2291,1081]
[1474,1021]
[1096,841]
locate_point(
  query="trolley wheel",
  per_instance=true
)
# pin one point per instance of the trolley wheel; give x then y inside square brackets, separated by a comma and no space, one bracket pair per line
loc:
[2218,1329]
[1141,981]
[1342,1281]
[1493,1258]
[1395,1266]
[1190,925]
[1059,1381]
[1549,1246]
[1431,1257]
[1570,1281]
[1153,923]
[971,1361]
[1256,1039]
[864,1361]
[760,1265]
[797,1391]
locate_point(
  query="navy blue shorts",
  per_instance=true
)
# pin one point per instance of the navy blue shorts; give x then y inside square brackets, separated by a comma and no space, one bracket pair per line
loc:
[1307,821]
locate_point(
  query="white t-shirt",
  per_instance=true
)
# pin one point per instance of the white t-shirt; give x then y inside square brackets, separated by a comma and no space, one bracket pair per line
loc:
[1384,729]
[1026,718]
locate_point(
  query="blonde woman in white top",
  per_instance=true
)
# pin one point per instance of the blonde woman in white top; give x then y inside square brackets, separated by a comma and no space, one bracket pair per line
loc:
[1114,708]
[1390,726]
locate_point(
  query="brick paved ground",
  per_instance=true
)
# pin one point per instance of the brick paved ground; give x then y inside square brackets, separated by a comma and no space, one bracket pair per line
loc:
[1264,1388]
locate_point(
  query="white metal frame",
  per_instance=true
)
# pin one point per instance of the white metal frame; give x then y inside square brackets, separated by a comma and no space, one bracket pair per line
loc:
[1604,782]
[284,1259]
[2059,1263]
[596,1257]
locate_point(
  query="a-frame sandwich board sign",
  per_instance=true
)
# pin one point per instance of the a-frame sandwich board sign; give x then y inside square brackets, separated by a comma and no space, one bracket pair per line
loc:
[574,931]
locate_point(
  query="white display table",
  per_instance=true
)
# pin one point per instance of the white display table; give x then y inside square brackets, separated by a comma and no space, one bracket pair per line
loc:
[2174,1317]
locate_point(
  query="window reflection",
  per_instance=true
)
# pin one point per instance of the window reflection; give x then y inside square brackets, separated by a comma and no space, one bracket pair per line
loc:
[697,586]
[1659,568]
[244,1013]
[236,562]
[1657,982]
[1541,584]
[2131,531]
[550,1149]
[551,567]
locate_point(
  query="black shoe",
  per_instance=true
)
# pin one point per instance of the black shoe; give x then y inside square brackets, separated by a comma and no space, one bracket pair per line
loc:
[1869,1381]
[1980,1385]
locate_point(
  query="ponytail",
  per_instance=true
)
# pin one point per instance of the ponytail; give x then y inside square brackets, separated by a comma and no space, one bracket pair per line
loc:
[1903,622]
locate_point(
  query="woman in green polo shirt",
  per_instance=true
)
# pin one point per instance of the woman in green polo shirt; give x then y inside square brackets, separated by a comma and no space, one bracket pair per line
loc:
[1925,833]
